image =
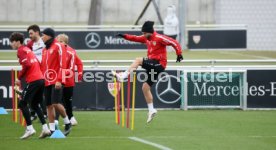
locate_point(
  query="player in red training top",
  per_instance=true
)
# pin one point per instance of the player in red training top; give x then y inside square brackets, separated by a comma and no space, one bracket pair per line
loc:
[53,66]
[72,60]
[32,94]
[154,63]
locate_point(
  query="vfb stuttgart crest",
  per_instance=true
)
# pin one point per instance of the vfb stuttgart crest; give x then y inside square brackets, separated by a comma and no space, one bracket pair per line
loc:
[113,88]
[196,39]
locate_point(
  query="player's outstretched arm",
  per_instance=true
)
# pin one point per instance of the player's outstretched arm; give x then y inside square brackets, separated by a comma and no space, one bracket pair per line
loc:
[120,35]
[134,38]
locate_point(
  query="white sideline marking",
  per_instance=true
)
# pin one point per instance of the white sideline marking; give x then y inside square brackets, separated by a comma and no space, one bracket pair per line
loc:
[248,55]
[149,143]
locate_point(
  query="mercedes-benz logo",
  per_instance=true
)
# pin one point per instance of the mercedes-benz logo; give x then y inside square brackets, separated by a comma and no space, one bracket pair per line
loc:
[93,40]
[168,93]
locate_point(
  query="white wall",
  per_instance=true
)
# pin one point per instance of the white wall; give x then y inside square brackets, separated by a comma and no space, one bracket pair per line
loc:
[114,11]
[259,15]
[44,10]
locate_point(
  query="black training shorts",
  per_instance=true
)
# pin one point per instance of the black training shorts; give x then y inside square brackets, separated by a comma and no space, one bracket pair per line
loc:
[151,65]
[33,92]
[53,95]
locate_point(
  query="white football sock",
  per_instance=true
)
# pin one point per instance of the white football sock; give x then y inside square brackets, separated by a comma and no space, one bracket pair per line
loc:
[30,127]
[52,126]
[150,106]
[73,118]
[66,120]
[45,127]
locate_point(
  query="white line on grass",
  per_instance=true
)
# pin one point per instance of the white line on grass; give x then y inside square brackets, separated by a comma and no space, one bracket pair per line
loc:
[149,143]
[247,55]
[260,136]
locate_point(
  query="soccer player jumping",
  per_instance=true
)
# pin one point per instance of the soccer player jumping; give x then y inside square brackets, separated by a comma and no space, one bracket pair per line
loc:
[155,61]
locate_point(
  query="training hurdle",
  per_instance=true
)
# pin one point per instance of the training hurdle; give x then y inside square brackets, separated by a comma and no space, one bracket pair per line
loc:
[119,101]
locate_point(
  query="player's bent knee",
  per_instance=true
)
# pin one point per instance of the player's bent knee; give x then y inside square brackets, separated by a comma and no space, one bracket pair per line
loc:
[139,60]
[50,107]
[55,105]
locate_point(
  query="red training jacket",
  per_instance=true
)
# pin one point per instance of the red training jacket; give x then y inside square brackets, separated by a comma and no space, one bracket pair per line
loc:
[156,46]
[30,65]
[72,60]
[53,64]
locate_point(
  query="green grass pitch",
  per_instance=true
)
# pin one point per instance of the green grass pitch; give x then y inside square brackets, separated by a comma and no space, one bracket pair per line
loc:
[179,130]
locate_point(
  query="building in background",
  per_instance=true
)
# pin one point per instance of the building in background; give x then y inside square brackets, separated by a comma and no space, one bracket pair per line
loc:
[259,16]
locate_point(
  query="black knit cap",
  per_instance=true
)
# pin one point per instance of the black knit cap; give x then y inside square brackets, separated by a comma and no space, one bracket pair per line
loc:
[148,27]
[49,31]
